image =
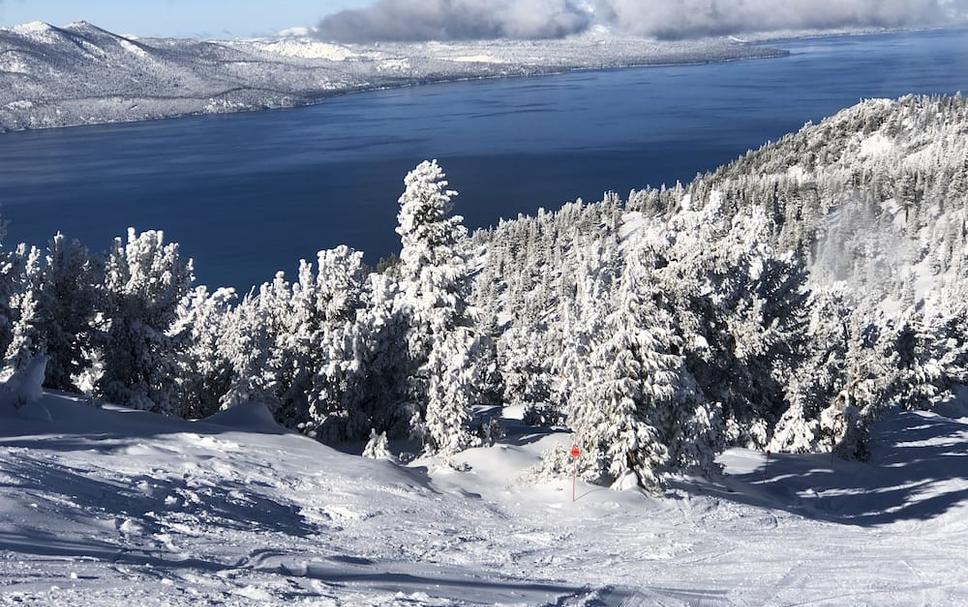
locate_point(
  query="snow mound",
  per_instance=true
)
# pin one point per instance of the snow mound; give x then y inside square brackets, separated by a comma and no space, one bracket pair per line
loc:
[25,387]
[250,415]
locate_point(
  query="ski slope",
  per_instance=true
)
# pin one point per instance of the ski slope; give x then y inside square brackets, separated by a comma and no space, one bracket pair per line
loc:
[106,506]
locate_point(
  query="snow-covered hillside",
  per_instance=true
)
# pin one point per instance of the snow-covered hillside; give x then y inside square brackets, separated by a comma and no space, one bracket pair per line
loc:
[107,506]
[81,74]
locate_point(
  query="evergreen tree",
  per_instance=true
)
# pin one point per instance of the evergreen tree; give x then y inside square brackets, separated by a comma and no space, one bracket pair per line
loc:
[822,374]
[55,311]
[27,338]
[249,344]
[204,372]
[69,301]
[335,409]
[145,280]
[435,286]
[637,415]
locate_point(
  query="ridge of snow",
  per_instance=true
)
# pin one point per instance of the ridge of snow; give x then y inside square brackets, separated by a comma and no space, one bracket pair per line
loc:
[33,27]
[309,49]
[477,59]
[250,415]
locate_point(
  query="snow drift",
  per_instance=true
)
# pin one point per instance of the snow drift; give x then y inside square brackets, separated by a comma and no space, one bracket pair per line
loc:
[107,506]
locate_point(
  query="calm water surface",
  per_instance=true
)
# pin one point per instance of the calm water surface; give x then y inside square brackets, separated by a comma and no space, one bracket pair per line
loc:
[249,194]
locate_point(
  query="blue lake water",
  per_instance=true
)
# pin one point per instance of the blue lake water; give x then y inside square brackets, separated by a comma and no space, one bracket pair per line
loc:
[249,194]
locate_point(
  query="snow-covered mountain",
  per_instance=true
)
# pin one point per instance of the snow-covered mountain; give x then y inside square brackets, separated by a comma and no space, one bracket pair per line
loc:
[844,242]
[81,74]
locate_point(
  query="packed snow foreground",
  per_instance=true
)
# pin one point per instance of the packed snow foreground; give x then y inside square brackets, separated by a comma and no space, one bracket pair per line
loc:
[81,74]
[762,374]
[109,506]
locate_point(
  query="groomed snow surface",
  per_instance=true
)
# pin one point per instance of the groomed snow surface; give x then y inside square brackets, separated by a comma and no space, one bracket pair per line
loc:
[107,506]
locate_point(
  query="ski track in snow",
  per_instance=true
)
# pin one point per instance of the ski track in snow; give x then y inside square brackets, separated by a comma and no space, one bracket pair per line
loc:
[113,507]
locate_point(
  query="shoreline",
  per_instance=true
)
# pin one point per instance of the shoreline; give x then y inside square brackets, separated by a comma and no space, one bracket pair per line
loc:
[251,97]
[778,54]
[303,82]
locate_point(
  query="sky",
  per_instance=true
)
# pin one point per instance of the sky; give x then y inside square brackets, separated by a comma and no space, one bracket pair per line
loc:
[216,18]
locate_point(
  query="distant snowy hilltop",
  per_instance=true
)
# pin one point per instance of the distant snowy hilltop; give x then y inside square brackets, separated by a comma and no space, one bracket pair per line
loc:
[81,74]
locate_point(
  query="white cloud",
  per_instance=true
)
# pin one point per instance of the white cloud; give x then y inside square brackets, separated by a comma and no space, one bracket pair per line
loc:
[690,18]
[483,19]
[456,20]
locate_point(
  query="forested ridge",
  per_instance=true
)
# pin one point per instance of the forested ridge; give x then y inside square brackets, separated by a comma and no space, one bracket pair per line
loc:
[781,302]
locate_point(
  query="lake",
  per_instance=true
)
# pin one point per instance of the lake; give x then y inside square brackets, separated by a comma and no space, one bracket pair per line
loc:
[249,194]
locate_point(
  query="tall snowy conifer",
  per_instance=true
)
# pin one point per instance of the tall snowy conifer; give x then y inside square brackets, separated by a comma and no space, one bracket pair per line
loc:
[250,345]
[435,286]
[204,372]
[634,415]
[336,411]
[145,280]
[27,337]
[68,306]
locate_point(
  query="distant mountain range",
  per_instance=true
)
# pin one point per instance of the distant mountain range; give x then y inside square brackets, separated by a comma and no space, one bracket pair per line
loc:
[81,74]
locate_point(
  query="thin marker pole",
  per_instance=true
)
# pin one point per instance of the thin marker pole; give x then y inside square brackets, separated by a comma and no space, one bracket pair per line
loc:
[574,481]
[574,452]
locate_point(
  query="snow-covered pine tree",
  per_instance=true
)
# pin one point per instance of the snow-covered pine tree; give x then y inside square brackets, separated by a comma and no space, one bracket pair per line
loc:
[204,372]
[249,344]
[145,280]
[12,282]
[871,369]
[526,380]
[299,313]
[378,339]
[920,379]
[55,312]
[638,413]
[948,328]
[822,374]
[27,338]
[340,293]
[434,290]
[740,309]
[583,318]
[68,306]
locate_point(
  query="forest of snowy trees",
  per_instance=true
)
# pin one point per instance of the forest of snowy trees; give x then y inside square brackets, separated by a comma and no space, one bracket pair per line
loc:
[782,302]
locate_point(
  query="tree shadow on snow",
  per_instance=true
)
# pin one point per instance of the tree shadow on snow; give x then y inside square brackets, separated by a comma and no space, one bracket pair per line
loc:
[86,507]
[78,426]
[918,471]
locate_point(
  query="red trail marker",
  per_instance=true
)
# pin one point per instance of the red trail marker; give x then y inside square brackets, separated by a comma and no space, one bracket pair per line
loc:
[574,452]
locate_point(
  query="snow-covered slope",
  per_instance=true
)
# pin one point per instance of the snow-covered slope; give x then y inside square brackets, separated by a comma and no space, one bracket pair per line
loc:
[110,506]
[81,74]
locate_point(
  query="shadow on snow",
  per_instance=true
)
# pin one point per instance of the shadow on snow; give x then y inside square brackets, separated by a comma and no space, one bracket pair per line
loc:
[918,471]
